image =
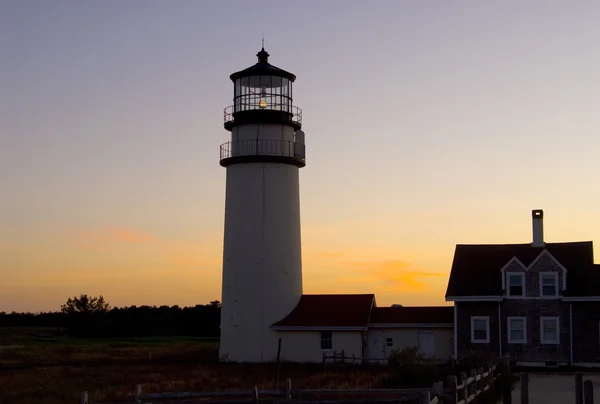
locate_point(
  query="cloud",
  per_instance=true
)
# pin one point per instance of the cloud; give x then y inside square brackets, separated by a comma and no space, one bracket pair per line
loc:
[201,252]
[392,275]
[328,255]
[192,262]
[118,235]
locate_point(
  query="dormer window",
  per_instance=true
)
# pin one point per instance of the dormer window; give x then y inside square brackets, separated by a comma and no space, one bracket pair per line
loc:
[549,284]
[516,284]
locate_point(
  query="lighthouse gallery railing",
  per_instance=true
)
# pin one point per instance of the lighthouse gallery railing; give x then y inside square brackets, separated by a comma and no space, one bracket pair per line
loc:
[263,147]
[294,112]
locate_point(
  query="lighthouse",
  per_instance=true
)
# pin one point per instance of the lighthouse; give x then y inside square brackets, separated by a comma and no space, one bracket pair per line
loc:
[262,262]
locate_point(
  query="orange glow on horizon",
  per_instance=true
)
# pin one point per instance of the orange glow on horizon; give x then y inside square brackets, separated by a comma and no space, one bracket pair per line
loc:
[130,266]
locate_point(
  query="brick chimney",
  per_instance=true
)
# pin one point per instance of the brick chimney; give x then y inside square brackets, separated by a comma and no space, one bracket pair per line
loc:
[537,216]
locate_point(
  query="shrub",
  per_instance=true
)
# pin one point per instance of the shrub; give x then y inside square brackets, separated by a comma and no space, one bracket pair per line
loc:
[410,368]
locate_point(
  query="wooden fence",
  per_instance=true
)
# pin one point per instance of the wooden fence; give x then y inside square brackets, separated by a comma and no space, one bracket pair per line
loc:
[584,391]
[470,388]
[340,358]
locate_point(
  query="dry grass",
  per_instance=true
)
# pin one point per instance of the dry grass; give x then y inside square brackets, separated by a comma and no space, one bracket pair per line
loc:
[58,374]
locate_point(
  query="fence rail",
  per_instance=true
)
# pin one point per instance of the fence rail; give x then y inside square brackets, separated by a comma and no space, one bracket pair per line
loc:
[340,358]
[470,387]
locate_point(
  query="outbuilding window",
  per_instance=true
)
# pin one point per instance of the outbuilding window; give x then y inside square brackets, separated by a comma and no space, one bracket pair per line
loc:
[326,340]
[389,341]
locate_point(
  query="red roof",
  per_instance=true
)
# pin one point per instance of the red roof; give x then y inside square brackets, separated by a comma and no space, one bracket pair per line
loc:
[412,315]
[322,311]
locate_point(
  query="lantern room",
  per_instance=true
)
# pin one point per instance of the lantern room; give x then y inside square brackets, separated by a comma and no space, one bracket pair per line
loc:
[262,94]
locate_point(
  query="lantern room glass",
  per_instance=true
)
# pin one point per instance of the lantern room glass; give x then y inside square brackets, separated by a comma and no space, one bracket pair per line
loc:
[263,92]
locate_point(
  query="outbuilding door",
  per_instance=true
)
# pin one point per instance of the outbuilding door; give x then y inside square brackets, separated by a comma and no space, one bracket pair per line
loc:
[427,343]
[376,345]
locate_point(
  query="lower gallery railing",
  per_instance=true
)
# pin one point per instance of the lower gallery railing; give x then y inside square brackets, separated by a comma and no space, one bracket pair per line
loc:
[263,147]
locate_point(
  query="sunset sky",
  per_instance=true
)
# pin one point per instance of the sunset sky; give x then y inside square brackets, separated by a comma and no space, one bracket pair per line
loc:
[428,124]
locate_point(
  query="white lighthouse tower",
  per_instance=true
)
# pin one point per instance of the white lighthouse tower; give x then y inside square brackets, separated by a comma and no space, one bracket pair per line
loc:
[262,264]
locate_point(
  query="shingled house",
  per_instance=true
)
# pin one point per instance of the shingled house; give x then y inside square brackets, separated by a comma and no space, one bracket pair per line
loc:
[324,324]
[537,303]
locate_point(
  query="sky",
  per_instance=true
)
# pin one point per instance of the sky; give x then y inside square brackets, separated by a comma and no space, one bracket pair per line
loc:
[428,124]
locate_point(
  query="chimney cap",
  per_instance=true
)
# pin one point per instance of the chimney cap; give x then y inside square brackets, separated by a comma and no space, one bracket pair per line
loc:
[537,213]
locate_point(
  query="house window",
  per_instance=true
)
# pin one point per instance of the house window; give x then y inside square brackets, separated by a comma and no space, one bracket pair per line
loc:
[549,330]
[480,329]
[389,341]
[516,284]
[517,330]
[549,284]
[326,340]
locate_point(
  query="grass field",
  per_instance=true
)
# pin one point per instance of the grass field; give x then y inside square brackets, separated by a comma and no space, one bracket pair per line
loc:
[53,372]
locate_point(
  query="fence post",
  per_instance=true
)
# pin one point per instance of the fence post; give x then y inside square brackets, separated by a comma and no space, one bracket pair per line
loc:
[524,388]
[588,392]
[578,388]
[506,388]
[473,390]
[276,381]
[478,383]
[138,393]
[452,395]
[288,389]
[482,379]
[256,394]
[438,390]
[426,397]
[465,391]
[84,397]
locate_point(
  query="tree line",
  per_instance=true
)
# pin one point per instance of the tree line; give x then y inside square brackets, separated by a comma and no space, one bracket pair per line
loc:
[87,316]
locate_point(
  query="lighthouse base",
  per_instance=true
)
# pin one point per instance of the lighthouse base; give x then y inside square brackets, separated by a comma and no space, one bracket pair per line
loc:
[262,263]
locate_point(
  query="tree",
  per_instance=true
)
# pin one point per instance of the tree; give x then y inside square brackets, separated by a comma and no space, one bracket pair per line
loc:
[85,304]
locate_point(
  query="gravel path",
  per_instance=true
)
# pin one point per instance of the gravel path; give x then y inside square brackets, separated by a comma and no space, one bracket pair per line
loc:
[554,389]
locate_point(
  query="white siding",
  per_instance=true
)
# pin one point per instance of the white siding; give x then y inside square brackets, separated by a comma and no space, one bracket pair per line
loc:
[406,337]
[305,346]
[262,256]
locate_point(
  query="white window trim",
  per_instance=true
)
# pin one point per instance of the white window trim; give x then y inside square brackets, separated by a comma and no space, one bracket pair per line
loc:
[522,275]
[509,328]
[487,329]
[557,321]
[533,263]
[556,288]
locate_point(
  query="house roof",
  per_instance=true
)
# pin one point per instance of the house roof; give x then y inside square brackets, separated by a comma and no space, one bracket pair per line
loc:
[321,311]
[587,283]
[412,315]
[476,267]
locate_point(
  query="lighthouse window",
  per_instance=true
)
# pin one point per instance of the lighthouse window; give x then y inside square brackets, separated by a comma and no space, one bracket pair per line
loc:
[263,92]
[326,340]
